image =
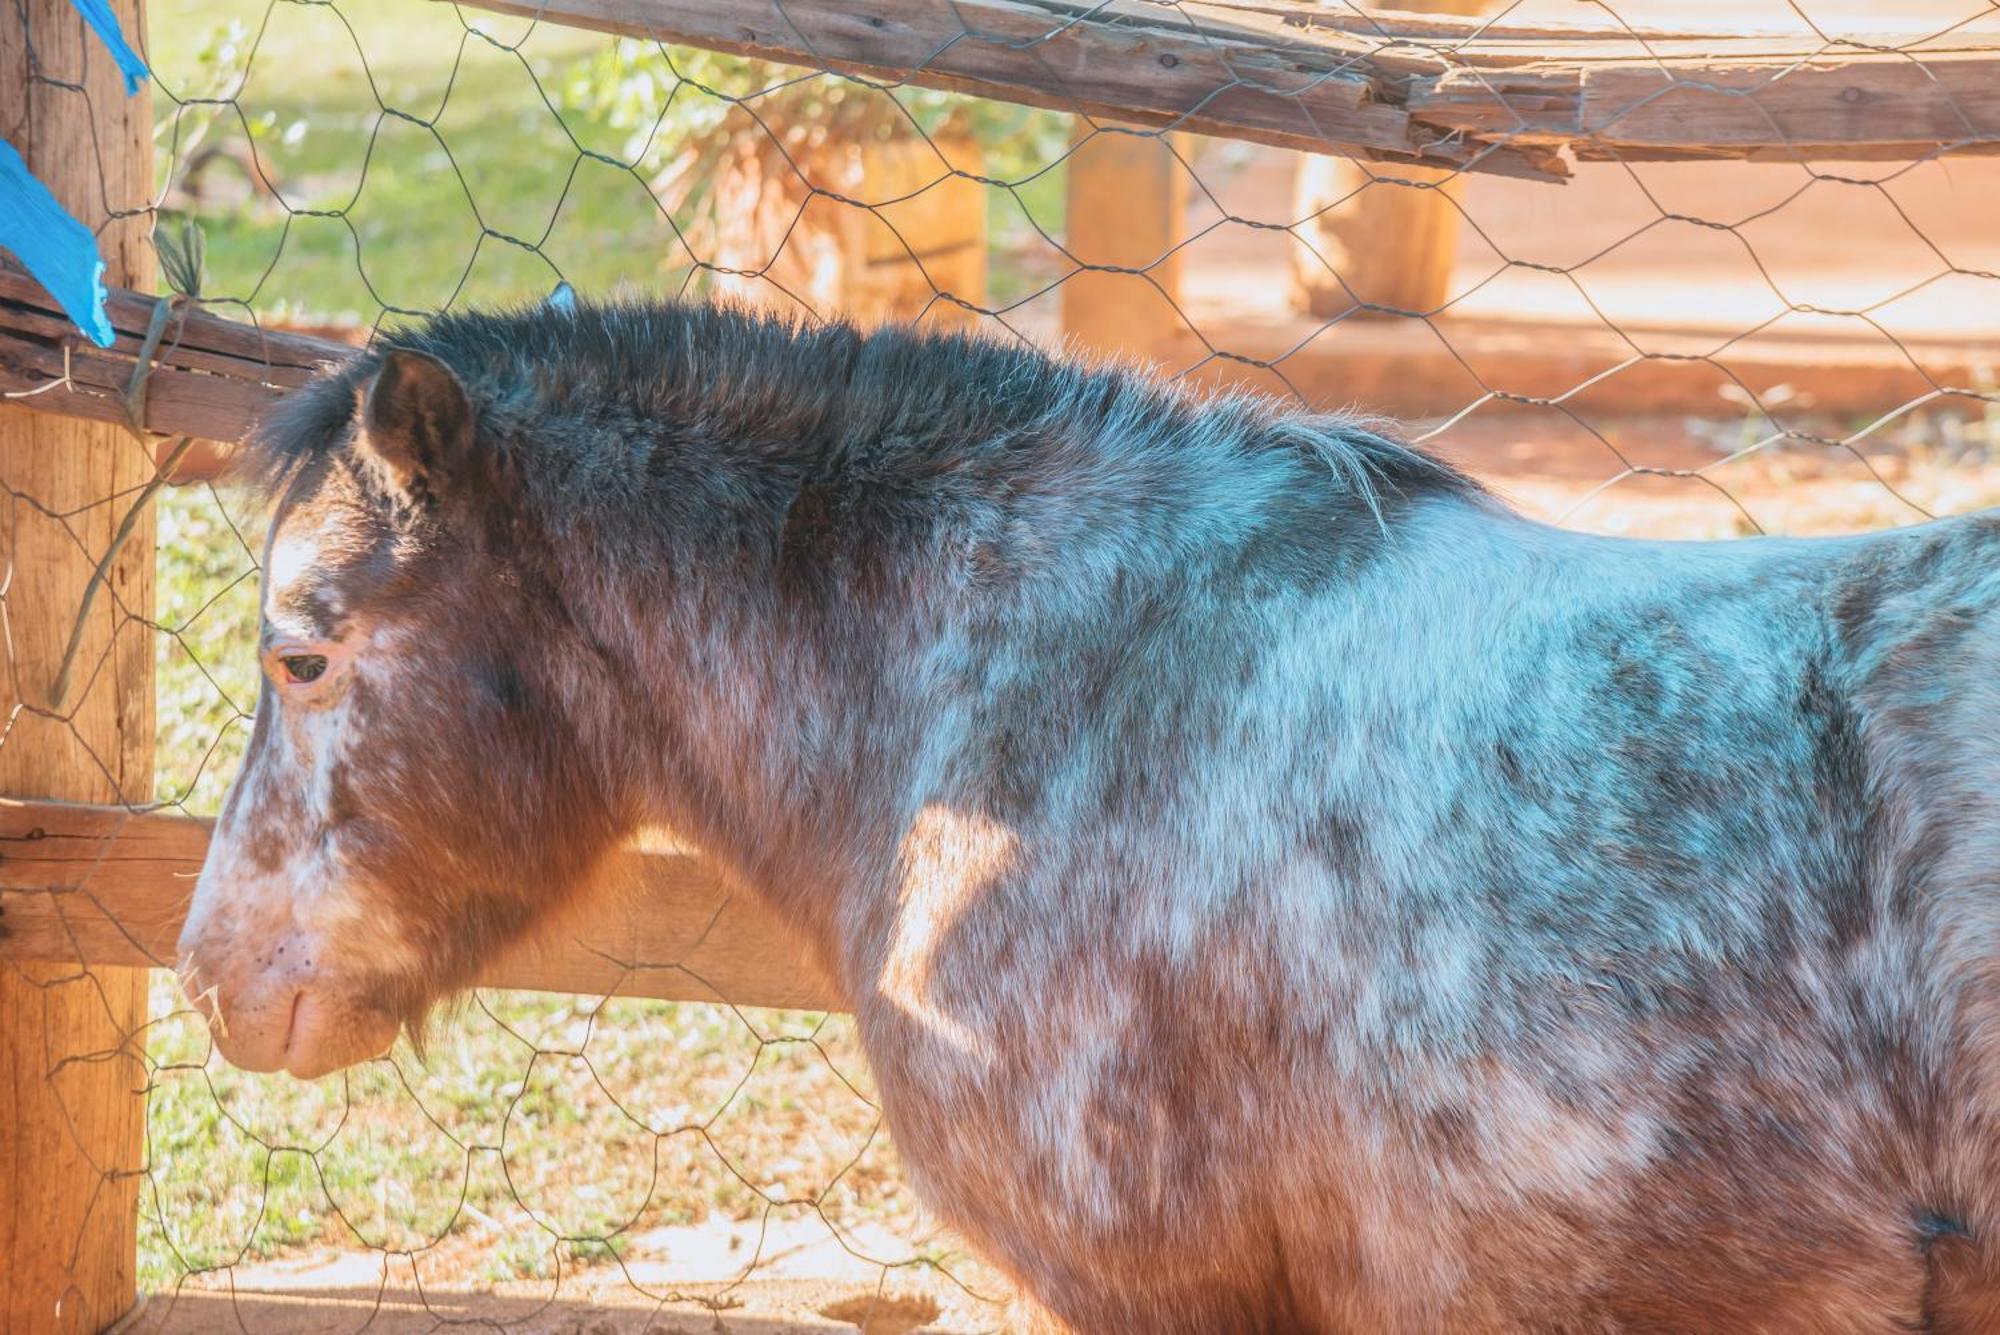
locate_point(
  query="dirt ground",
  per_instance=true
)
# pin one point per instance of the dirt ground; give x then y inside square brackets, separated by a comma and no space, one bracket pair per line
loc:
[674,1281]
[761,1307]
[1661,477]
[1660,245]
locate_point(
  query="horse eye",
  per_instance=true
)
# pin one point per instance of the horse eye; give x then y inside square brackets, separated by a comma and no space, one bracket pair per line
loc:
[304,667]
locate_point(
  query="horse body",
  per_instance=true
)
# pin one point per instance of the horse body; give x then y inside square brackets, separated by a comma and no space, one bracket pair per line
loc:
[1277,887]
[1523,892]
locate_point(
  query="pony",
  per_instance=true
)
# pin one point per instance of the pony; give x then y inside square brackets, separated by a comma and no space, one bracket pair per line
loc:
[1278,887]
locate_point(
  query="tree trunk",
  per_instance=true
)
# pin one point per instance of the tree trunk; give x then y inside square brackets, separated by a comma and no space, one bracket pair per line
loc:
[72,1041]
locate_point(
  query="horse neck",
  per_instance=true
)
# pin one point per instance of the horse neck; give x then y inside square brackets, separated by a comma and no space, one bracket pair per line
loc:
[783,749]
[798,698]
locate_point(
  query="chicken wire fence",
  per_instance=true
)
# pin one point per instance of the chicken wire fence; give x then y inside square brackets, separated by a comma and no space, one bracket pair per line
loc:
[1675,348]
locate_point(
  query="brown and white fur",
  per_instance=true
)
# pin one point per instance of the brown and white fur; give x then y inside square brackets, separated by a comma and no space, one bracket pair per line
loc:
[1278,887]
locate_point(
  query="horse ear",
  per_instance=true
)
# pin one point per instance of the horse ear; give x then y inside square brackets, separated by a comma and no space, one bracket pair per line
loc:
[416,420]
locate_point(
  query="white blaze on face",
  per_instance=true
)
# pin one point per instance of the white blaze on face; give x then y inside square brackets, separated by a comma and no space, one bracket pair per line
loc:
[330,900]
[284,938]
[292,556]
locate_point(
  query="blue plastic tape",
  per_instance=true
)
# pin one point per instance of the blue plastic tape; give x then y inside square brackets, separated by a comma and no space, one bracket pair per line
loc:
[105,24]
[59,251]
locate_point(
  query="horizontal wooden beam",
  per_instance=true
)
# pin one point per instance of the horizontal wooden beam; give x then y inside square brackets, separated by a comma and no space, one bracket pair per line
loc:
[212,377]
[1235,73]
[1443,90]
[1833,105]
[97,885]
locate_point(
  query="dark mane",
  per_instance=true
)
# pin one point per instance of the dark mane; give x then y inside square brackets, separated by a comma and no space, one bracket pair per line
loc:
[613,401]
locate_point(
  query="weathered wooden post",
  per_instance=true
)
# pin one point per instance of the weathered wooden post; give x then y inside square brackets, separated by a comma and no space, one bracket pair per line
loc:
[71,1111]
[1363,239]
[1127,197]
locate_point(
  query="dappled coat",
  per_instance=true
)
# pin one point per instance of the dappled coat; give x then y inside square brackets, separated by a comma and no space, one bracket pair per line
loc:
[1278,887]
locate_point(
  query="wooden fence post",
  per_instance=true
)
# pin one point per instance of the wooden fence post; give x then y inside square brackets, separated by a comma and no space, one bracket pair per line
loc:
[72,1114]
[1127,197]
[1363,240]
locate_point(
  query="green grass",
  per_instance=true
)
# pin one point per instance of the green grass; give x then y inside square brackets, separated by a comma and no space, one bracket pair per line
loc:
[206,654]
[383,159]
[534,1123]
[406,164]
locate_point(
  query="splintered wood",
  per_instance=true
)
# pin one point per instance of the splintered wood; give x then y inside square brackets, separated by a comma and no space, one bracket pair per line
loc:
[1439,90]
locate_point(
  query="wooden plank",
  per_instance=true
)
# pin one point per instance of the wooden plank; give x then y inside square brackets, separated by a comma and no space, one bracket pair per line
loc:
[1853,106]
[212,377]
[1592,25]
[1881,101]
[1604,33]
[72,1046]
[1439,90]
[101,885]
[1194,67]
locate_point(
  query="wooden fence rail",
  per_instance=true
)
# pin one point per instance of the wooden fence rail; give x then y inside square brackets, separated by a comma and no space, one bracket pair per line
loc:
[1441,90]
[212,377]
[101,886]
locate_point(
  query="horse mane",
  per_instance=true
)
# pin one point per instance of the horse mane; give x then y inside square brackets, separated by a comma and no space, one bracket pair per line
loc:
[597,403]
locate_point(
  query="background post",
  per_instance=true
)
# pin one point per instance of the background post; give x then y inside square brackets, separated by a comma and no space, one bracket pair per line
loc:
[1362,240]
[1127,195]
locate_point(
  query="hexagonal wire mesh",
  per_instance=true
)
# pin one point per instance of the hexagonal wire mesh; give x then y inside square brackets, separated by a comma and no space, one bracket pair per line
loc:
[1671,348]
